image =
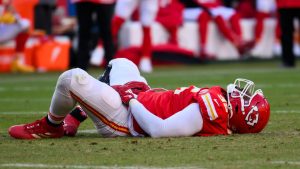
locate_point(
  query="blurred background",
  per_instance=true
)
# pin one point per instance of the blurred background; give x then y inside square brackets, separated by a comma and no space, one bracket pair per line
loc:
[56,35]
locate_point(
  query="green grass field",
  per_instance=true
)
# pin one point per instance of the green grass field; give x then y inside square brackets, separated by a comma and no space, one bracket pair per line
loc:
[26,97]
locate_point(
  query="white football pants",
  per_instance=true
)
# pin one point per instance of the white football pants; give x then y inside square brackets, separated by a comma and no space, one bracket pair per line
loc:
[100,101]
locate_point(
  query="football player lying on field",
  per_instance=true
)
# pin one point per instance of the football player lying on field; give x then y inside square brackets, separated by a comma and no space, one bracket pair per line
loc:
[131,108]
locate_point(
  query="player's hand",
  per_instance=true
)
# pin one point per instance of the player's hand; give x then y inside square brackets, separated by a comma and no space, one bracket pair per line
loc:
[127,96]
[136,87]
[130,90]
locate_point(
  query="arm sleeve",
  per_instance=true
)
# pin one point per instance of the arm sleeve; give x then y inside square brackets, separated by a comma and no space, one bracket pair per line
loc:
[186,122]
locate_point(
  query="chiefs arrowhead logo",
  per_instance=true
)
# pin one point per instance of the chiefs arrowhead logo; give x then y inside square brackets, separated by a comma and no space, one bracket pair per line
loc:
[252,116]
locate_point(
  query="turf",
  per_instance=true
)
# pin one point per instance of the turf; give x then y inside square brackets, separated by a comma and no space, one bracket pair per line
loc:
[26,97]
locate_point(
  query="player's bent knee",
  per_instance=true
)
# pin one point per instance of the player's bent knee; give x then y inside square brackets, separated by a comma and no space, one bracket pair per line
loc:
[111,97]
[64,80]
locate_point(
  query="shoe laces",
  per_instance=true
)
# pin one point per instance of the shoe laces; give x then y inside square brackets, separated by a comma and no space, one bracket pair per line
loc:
[35,126]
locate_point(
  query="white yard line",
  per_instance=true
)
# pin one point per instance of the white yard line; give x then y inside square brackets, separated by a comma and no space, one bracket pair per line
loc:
[286,111]
[91,131]
[22,113]
[29,165]
[25,89]
[286,162]
[15,100]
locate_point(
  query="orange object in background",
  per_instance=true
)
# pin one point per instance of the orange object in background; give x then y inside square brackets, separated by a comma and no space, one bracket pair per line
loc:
[7,53]
[53,55]
[46,55]
[25,8]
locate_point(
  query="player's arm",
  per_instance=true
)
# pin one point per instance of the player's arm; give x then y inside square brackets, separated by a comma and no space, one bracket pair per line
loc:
[187,122]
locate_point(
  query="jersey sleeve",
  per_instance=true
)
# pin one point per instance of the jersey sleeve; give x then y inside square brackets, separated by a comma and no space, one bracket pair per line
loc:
[213,106]
[186,122]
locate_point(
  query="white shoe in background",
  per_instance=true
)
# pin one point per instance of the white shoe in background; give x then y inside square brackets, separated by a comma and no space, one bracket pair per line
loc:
[145,65]
[97,56]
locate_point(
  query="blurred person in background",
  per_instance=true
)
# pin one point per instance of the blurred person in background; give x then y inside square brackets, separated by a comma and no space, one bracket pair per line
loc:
[260,11]
[170,17]
[245,8]
[147,14]
[227,21]
[64,24]
[13,27]
[289,11]
[43,14]
[264,9]
[88,11]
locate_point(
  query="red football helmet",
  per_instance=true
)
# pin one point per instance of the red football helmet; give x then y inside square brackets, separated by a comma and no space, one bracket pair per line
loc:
[249,110]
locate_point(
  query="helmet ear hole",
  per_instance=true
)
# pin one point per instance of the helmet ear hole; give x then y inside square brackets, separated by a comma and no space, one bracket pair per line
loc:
[236,108]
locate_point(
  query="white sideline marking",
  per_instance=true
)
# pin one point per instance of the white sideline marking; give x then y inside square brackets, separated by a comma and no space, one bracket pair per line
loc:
[14,100]
[22,113]
[286,162]
[22,89]
[28,165]
[91,131]
[286,111]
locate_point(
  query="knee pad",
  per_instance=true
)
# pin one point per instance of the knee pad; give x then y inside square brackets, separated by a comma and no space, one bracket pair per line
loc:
[64,80]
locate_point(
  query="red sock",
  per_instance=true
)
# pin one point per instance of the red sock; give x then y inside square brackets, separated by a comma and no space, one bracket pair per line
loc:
[225,29]
[21,40]
[173,35]
[260,17]
[117,22]
[235,24]
[203,21]
[147,42]
[54,119]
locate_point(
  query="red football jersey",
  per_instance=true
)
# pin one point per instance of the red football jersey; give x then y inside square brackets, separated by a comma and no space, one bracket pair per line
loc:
[95,1]
[288,4]
[209,3]
[213,106]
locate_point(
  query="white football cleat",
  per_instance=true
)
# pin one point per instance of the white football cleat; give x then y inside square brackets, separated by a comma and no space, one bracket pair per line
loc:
[145,65]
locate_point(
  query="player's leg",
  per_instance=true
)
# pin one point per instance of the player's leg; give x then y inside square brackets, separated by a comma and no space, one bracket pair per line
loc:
[18,64]
[148,11]
[118,72]
[84,12]
[49,126]
[123,11]
[234,21]
[223,15]
[101,102]
[203,21]
[104,16]
[265,9]
[220,16]
[73,120]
